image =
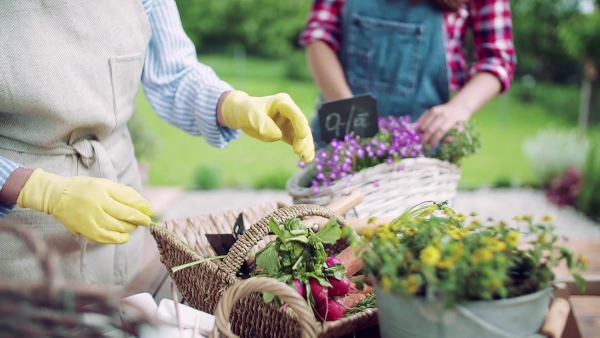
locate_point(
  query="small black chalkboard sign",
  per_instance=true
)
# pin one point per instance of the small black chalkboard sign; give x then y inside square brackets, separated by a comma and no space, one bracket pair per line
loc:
[357,115]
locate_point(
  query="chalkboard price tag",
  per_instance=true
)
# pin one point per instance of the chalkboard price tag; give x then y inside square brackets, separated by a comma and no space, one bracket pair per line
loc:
[356,115]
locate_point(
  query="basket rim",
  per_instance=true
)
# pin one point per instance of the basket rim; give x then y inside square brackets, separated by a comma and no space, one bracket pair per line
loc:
[294,189]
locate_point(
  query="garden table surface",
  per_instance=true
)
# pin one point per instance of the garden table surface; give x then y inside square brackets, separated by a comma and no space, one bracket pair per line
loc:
[155,280]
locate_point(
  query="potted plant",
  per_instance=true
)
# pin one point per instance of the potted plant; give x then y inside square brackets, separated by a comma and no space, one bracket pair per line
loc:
[393,170]
[439,273]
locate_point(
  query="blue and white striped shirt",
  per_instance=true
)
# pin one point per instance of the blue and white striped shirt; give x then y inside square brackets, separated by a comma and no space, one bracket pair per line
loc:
[181,90]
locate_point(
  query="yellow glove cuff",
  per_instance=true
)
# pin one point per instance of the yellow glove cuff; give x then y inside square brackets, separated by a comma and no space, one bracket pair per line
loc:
[42,191]
[228,108]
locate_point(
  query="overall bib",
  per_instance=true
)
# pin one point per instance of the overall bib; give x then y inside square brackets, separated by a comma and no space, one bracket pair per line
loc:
[396,52]
[69,74]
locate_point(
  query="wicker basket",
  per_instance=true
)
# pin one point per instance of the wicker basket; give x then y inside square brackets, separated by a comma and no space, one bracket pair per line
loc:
[202,286]
[53,307]
[388,189]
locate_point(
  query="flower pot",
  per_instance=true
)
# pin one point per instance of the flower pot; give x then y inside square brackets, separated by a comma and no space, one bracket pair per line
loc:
[416,317]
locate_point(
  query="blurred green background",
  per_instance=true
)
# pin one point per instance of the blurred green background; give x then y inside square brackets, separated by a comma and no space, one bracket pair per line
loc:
[252,44]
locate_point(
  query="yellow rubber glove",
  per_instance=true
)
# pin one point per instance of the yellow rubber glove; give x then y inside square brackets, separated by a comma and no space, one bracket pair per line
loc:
[270,118]
[99,209]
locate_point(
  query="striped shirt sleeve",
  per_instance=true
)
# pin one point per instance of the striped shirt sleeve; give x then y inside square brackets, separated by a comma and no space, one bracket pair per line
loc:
[182,91]
[6,168]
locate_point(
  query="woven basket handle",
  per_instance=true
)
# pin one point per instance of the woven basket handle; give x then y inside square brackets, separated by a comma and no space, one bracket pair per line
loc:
[308,324]
[48,259]
[239,251]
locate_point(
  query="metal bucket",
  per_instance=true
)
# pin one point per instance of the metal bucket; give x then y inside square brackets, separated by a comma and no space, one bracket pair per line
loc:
[414,317]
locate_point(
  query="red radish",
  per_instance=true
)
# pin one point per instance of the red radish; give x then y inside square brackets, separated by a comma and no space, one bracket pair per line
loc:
[329,310]
[331,261]
[300,288]
[339,288]
[320,293]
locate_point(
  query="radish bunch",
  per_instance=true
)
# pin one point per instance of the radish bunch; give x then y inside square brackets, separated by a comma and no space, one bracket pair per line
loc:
[297,257]
[324,294]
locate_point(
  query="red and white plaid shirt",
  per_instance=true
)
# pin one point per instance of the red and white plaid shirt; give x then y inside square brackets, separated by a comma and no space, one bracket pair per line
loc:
[489,20]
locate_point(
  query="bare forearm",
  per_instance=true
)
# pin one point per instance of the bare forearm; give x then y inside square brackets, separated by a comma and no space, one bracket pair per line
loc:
[480,89]
[327,71]
[15,182]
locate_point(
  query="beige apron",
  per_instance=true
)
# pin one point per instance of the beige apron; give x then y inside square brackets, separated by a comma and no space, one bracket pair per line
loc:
[69,74]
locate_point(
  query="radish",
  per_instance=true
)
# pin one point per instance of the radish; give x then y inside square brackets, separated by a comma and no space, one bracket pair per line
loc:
[320,293]
[339,288]
[329,310]
[299,288]
[331,261]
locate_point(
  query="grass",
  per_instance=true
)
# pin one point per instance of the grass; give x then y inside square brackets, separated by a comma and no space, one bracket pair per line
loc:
[504,123]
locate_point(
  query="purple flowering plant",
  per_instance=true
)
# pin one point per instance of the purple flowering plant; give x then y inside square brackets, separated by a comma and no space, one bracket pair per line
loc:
[397,139]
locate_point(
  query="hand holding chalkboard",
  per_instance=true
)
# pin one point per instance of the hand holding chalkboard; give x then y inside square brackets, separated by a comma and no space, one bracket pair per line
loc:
[356,115]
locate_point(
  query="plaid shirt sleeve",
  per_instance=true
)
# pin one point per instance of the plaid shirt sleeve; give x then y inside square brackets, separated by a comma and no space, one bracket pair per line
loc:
[491,22]
[323,23]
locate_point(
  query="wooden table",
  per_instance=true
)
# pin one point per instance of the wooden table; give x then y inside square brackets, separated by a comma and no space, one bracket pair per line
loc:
[156,281]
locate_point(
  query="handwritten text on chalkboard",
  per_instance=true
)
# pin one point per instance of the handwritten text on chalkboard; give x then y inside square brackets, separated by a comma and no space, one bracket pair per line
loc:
[357,115]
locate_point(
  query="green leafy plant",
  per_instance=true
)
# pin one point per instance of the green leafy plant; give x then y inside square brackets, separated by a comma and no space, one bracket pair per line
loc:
[465,142]
[432,251]
[207,178]
[298,254]
[588,200]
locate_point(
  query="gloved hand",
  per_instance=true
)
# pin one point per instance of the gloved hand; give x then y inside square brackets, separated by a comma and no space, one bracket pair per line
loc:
[269,119]
[99,209]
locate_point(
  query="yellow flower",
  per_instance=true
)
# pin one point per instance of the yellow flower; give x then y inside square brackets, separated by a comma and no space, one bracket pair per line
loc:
[411,284]
[430,255]
[542,237]
[583,261]
[512,238]
[385,283]
[493,244]
[481,256]
[527,217]
[547,219]
[445,264]
[518,218]
[455,234]
[457,251]
[368,233]
[473,214]
[464,232]
[409,231]
[459,217]
[495,283]
[474,225]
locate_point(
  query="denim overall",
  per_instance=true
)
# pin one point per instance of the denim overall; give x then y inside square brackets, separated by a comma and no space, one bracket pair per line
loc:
[395,51]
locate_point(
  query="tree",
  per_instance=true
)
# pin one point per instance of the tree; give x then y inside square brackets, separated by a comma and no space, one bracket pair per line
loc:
[267,28]
[580,37]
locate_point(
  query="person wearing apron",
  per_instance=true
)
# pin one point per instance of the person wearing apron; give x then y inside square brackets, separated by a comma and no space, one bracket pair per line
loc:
[409,56]
[69,76]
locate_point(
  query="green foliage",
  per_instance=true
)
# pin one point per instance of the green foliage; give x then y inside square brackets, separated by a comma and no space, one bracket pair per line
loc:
[145,141]
[207,178]
[535,30]
[504,124]
[296,68]
[550,152]
[432,251]
[580,35]
[263,27]
[298,253]
[589,199]
[466,142]
[274,180]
